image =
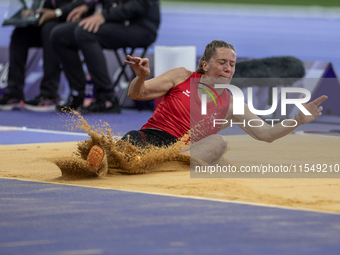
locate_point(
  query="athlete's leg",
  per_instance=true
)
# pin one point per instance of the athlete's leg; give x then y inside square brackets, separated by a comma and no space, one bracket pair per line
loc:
[209,149]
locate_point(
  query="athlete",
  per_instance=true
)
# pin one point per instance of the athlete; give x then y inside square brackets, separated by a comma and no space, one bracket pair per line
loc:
[181,90]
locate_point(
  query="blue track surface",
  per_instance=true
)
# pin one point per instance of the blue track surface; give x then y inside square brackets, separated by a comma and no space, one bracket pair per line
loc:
[306,33]
[42,218]
[119,123]
[32,136]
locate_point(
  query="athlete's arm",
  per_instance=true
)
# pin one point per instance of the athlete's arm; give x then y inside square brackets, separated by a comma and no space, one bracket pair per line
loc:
[270,133]
[142,89]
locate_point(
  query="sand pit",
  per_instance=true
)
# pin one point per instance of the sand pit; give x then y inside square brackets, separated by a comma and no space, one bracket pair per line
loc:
[34,162]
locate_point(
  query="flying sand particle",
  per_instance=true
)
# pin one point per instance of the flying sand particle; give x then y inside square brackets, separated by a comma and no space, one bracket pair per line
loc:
[122,157]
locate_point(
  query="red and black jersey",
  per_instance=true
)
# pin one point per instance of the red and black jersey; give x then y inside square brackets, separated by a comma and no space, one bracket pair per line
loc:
[182,106]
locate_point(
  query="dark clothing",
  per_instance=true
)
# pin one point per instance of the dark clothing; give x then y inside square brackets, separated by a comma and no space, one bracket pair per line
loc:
[129,24]
[67,6]
[24,38]
[146,137]
[145,13]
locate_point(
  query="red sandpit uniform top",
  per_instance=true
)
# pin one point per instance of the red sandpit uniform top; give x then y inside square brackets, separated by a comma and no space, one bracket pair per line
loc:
[173,113]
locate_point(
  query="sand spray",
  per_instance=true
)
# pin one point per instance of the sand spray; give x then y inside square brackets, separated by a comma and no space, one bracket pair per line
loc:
[122,157]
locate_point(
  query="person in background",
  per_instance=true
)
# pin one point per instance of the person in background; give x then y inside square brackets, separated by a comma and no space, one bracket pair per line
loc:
[120,24]
[53,13]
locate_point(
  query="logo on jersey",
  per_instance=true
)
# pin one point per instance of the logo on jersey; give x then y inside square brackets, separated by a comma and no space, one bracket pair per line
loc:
[187,93]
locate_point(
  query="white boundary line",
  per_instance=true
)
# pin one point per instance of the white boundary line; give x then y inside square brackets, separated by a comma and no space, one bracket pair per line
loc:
[188,197]
[5,128]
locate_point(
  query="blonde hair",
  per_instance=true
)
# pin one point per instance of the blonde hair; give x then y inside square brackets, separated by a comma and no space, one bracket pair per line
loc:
[210,50]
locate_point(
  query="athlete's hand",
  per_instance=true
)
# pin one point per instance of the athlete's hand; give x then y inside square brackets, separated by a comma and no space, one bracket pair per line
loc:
[77,13]
[139,65]
[314,108]
[92,23]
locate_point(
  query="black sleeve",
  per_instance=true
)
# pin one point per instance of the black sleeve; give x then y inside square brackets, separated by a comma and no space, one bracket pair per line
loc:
[126,11]
[47,5]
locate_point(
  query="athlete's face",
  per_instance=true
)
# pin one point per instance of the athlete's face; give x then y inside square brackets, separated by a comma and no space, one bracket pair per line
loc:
[221,65]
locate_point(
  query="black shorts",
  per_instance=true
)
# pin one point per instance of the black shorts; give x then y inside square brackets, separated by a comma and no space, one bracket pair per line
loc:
[144,137]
